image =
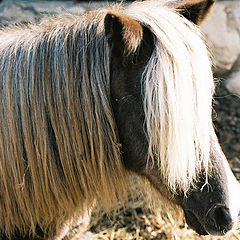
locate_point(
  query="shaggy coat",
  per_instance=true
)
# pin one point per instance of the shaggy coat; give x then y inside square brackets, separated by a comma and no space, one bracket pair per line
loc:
[70,130]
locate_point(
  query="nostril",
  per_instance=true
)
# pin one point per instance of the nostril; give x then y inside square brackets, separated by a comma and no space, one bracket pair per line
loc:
[220,216]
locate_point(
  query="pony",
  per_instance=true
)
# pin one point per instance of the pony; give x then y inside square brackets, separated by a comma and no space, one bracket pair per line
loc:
[87,100]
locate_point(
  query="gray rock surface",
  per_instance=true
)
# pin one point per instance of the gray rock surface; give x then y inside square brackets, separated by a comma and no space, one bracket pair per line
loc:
[222,30]
[233,83]
[29,10]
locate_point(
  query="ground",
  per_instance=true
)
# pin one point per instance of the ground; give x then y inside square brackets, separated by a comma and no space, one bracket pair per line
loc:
[227,124]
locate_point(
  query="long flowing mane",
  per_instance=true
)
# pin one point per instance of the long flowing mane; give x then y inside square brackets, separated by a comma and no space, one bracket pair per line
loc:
[59,148]
[177,95]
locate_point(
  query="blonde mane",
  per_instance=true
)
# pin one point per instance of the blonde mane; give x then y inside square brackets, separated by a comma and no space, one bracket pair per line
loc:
[177,91]
[59,148]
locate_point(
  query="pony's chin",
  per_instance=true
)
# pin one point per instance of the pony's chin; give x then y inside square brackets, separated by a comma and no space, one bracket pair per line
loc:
[193,222]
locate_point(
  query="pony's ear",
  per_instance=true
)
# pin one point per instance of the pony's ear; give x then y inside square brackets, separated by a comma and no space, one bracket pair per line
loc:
[124,34]
[195,10]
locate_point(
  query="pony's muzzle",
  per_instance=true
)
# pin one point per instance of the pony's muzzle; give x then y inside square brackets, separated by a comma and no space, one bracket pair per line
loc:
[219,220]
[216,221]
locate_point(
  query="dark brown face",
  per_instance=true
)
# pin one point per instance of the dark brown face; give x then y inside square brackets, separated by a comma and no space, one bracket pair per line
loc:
[209,208]
[127,102]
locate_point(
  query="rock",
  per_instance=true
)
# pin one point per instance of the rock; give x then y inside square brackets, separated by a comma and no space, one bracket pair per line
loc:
[222,29]
[17,12]
[22,11]
[233,83]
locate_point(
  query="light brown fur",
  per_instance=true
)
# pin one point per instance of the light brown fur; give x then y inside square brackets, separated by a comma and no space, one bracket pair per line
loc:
[132,31]
[59,148]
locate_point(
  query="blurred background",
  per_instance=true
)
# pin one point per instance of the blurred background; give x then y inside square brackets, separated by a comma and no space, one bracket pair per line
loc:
[222,31]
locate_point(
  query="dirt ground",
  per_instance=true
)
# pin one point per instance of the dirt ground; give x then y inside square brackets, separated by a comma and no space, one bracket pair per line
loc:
[136,222]
[227,124]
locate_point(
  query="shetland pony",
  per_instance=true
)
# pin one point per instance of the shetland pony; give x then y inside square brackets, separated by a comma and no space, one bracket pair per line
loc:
[87,100]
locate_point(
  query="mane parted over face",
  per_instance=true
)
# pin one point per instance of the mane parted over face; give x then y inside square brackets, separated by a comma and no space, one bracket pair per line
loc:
[177,88]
